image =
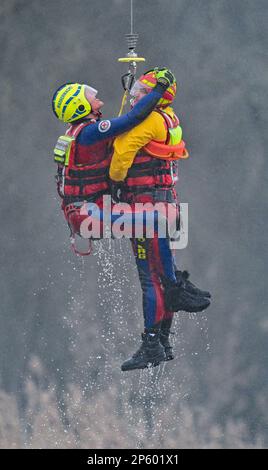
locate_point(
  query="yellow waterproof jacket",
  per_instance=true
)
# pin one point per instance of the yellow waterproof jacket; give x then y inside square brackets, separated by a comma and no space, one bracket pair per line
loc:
[126,146]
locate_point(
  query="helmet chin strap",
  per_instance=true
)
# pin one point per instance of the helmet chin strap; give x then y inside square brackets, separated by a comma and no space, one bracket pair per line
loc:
[97,114]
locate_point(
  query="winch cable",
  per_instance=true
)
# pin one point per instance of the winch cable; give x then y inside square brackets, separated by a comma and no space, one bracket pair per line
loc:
[131,59]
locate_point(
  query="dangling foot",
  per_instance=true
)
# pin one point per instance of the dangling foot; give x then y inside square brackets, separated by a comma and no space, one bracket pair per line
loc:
[151,352]
[189,286]
[177,298]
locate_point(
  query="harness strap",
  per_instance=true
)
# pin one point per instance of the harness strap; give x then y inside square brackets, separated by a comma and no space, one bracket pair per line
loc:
[89,172]
[153,163]
[74,130]
[158,195]
[93,198]
[169,123]
[75,207]
[154,172]
[85,182]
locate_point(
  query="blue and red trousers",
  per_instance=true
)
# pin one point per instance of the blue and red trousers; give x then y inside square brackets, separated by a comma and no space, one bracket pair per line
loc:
[154,259]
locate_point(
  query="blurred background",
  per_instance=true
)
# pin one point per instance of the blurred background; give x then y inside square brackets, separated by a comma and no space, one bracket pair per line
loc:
[68,323]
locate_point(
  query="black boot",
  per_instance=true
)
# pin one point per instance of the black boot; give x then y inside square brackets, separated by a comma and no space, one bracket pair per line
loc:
[189,286]
[178,298]
[150,352]
[164,338]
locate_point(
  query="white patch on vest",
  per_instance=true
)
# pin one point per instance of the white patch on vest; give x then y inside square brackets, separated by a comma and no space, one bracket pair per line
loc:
[104,126]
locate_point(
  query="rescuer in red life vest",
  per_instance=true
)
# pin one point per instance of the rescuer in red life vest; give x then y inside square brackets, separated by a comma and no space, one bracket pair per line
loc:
[83,153]
[144,169]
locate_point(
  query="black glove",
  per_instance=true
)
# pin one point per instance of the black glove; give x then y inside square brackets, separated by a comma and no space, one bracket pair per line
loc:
[165,77]
[116,189]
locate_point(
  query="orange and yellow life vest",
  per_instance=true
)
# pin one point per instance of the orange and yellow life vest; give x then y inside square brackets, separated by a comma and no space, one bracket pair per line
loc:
[155,165]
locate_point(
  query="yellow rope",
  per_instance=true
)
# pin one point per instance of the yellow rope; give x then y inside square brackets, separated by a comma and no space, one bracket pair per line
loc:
[124,99]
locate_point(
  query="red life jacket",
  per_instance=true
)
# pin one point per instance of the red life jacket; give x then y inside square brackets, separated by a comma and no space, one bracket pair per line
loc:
[83,173]
[150,168]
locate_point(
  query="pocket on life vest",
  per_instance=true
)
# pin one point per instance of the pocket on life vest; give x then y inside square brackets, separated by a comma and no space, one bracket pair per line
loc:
[62,149]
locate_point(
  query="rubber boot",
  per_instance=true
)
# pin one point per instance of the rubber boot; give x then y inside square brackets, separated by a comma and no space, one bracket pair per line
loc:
[189,286]
[164,338]
[151,352]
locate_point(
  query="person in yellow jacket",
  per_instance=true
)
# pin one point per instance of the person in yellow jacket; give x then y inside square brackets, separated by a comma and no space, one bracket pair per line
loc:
[144,169]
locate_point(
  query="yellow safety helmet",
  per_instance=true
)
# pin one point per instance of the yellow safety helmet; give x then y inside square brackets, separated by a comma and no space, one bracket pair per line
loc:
[69,102]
